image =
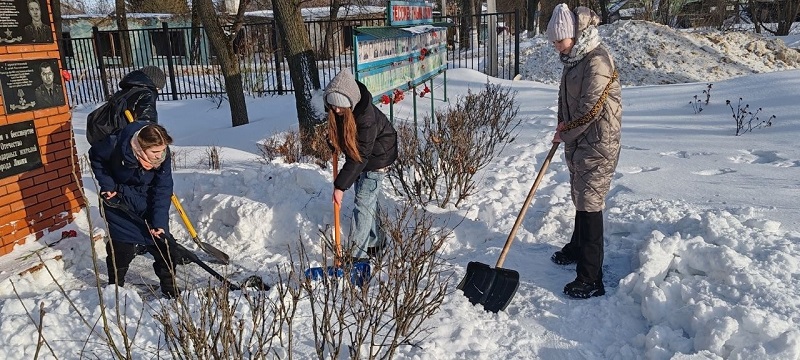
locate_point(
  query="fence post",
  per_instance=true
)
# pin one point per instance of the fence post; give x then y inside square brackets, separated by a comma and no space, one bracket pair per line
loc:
[100,65]
[516,43]
[170,65]
[278,56]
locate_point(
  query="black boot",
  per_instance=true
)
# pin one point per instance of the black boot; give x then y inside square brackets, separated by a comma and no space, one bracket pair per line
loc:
[164,268]
[118,260]
[570,252]
[581,290]
[116,275]
[562,258]
[169,289]
[590,254]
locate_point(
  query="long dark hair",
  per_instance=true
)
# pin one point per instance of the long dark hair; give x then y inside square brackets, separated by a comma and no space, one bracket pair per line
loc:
[345,139]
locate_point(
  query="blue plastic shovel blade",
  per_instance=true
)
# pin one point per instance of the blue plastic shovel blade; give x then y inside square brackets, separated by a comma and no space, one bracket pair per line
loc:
[360,273]
[315,273]
[335,271]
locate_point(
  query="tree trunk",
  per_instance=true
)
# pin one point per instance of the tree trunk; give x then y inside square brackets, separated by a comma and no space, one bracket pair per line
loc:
[331,29]
[229,64]
[121,17]
[532,17]
[466,25]
[196,37]
[755,16]
[603,11]
[302,64]
[788,10]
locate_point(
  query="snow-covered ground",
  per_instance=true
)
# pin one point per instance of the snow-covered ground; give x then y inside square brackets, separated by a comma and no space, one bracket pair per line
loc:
[702,227]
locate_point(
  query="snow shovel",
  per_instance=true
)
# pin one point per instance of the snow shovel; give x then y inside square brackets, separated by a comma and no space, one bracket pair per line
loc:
[251,282]
[206,247]
[494,288]
[359,272]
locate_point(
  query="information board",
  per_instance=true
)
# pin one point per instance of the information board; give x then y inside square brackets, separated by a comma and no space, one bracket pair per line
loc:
[388,59]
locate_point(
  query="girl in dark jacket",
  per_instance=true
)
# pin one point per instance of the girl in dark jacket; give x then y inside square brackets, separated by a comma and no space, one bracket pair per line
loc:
[368,140]
[133,169]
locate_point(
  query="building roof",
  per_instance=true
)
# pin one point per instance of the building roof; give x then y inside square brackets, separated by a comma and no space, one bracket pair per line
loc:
[160,16]
[319,13]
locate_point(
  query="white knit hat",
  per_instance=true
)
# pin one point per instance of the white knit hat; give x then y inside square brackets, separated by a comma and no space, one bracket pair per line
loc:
[343,90]
[338,99]
[562,24]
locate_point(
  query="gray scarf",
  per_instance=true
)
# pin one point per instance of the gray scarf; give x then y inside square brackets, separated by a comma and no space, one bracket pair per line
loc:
[588,40]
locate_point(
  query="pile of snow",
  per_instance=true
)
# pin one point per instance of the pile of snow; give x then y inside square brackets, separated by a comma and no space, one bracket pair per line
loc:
[648,53]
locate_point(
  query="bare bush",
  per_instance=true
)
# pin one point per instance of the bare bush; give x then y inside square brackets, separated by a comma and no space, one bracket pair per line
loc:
[288,146]
[747,120]
[438,161]
[178,158]
[212,158]
[84,165]
[214,323]
[406,286]
[697,103]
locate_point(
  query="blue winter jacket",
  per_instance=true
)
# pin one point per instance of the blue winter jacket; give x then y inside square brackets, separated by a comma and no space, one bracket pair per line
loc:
[146,192]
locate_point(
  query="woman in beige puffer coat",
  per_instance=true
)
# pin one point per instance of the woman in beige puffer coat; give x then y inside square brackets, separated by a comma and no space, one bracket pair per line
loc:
[589,120]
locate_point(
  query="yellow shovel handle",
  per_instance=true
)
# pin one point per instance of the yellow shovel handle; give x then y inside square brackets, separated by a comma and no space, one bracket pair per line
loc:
[185,218]
[128,115]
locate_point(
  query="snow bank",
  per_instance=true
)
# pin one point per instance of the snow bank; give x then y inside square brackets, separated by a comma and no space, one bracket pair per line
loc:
[647,53]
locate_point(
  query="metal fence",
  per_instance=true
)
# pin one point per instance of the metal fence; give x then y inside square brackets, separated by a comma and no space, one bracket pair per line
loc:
[97,64]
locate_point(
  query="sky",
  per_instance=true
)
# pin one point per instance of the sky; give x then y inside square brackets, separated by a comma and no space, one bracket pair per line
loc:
[702,227]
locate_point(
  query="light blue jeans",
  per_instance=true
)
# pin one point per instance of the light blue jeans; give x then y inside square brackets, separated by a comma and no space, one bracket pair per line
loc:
[365,230]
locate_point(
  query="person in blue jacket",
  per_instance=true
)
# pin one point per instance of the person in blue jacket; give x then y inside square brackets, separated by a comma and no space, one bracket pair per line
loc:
[357,128]
[132,168]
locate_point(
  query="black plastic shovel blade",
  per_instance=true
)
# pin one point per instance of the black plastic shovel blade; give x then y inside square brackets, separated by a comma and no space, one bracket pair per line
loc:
[220,256]
[492,288]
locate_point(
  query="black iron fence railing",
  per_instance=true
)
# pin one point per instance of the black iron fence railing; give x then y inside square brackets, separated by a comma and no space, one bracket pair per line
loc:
[97,64]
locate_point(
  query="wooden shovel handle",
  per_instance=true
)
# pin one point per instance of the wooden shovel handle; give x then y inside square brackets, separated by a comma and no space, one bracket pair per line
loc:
[524,209]
[336,210]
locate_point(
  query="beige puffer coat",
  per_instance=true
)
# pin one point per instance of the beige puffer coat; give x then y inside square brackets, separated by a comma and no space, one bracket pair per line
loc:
[590,104]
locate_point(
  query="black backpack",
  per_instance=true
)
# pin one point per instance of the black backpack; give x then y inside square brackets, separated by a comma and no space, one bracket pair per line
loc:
[109,117]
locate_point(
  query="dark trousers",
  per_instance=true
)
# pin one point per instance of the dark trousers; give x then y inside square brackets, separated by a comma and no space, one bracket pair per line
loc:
[586,246]
[120,256]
